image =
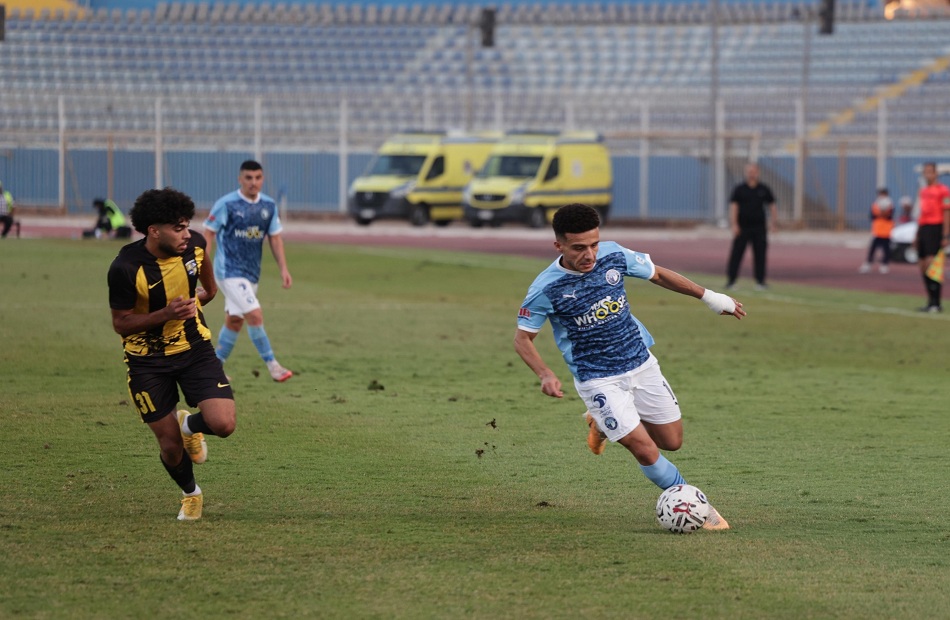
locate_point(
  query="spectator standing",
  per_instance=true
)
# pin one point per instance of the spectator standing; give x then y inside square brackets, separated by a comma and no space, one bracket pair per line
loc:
[882,222]
[933,232]
[752,214]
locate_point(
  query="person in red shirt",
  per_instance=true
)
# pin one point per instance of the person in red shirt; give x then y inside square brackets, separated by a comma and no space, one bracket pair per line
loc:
[933,231]
[882,221]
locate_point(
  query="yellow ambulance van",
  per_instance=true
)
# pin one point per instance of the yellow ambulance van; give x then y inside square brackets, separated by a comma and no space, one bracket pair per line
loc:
[529,175]
[418,177]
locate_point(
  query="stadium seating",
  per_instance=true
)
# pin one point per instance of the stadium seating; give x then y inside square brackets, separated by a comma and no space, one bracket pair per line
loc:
[604,58]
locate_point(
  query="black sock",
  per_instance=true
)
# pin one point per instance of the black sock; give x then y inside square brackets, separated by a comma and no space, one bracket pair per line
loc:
[928,286]
[934,290]
[183,474]
[197,424]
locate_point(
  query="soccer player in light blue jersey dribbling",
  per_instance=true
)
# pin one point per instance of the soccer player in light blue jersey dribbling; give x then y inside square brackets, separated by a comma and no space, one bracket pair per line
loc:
[606,348]
[238,222]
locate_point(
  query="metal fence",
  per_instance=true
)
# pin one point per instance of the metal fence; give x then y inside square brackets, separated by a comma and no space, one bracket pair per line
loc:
[662,173]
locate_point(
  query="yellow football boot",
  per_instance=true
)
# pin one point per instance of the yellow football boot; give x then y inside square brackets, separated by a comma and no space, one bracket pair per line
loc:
[190,507]
[195,444]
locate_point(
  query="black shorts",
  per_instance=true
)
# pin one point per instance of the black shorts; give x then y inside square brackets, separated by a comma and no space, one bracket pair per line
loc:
[928,239]
[154,381]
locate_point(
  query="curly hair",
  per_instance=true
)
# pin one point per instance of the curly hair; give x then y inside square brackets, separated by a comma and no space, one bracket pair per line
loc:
[161,206]
[575,218]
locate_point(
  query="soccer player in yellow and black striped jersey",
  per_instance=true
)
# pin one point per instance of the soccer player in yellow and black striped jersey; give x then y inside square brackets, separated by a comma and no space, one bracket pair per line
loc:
[157,288]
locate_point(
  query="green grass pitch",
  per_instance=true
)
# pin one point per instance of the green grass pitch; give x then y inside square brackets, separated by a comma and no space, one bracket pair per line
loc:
[413,469]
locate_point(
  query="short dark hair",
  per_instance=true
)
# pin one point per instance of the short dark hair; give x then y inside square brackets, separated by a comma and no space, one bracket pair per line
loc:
[575,218]
[160,206]
[250,164]
[931,164]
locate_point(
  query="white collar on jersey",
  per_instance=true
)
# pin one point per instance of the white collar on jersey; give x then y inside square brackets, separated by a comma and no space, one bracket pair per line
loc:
[248,200]
[566,270]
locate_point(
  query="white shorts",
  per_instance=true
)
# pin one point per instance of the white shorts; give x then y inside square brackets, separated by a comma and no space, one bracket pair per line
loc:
[240,296]
[619,403]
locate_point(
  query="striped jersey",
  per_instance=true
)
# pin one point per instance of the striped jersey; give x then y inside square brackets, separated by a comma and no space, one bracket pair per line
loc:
[144,283]
[590,313]
[240,226]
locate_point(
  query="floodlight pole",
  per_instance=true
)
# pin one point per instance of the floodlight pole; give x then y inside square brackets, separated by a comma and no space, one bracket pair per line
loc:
[469,76]
[717,210]
[61,110]
[159,147]
[882,143]
[801,122]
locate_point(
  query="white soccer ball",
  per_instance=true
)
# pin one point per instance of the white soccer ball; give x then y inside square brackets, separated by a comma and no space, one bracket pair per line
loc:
[682,509]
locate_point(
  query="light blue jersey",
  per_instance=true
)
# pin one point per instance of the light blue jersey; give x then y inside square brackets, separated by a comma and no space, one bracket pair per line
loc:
[590,313]
[239,227]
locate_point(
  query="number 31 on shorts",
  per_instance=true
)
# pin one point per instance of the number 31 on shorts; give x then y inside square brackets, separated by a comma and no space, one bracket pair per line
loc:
[143,402]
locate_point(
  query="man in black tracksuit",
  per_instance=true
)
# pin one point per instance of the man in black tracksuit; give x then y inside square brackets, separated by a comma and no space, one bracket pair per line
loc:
[750,223]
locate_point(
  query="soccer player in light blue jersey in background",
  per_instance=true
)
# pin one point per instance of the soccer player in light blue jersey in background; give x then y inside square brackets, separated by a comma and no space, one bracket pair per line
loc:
[606,348]
[238,223]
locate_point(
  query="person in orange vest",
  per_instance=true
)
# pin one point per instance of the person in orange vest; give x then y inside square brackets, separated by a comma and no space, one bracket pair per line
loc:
[882,221]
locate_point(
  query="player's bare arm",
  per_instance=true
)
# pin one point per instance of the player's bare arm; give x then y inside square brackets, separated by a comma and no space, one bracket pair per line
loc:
[670,280]
[524,346]
[734,218]
[277,249]
[210,237]
[209,287]
[127,322]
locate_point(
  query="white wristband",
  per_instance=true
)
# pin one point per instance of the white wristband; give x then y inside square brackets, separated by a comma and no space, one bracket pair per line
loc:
[718,302]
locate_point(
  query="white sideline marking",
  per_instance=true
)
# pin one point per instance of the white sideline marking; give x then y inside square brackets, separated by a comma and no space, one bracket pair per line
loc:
[845,306]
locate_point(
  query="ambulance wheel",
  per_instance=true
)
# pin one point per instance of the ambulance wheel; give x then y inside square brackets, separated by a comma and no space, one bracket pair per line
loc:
[538,217]
[419,216]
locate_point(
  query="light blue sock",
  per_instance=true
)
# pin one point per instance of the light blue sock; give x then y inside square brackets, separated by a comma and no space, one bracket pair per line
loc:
[226,340]
[261,341]
[663,473]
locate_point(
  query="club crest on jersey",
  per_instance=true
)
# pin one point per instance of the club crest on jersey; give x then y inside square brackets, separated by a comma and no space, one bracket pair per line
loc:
[265,213]
[191,267]
[611,423]
[613,276]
